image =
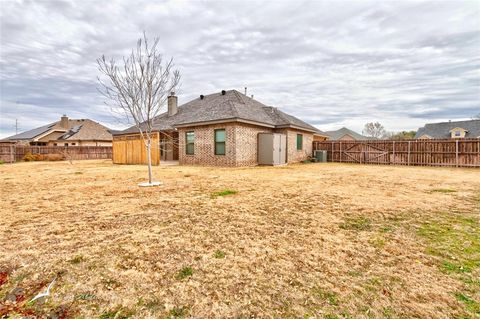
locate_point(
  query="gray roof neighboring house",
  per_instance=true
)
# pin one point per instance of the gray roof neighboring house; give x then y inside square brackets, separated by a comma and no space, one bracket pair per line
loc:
[442,130]
[28,135]
[232,106]
[81,129]
[338,134]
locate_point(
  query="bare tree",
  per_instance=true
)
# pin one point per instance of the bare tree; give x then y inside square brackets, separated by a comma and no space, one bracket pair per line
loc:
[375,130]
[139,87]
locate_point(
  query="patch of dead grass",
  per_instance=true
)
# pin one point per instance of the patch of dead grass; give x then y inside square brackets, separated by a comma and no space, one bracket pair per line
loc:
[318,241]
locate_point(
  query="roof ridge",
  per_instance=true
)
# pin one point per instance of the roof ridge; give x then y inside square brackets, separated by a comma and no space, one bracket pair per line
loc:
[450,122]
[239,96]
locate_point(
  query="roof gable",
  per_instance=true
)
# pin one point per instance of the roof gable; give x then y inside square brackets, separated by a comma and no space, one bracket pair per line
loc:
[340,133]
[458,129]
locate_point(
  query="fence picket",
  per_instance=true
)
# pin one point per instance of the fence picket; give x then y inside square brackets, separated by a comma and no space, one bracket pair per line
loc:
[454,153]
[14,153]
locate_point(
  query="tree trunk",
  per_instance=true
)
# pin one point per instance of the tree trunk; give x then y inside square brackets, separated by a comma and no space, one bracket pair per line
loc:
[149,156]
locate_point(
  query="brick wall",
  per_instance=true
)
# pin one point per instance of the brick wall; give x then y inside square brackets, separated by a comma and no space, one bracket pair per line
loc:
[294,155]
[247,143]
[240,147]
[204,148]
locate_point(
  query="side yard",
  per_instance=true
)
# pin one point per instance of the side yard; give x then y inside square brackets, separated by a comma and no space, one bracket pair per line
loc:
[302,241]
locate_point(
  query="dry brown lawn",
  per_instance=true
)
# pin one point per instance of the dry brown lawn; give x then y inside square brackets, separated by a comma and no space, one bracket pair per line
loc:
[302,241]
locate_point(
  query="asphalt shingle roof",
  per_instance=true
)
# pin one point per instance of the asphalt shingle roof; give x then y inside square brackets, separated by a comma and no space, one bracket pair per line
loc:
[442,130]
[31,133]
[338,134]
[82,129]
[218,107]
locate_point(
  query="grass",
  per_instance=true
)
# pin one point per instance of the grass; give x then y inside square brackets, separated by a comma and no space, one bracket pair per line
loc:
[328,296]
[338,240]
[443,190]
[177,312]
[85,296]
[77,259]
[471,305]
[225,192]
[184,273]
[455,241]
[356,223]
[117,313]
[219,254]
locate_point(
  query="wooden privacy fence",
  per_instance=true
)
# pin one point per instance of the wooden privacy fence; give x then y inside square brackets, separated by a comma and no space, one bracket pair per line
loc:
[130,149]
[455,153]
[13,153]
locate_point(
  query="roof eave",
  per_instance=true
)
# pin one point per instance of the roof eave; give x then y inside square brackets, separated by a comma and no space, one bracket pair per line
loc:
[229,120]
[39,136]
[299,128]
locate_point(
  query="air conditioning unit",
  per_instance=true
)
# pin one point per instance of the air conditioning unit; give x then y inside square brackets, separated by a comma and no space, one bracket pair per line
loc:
[320,156]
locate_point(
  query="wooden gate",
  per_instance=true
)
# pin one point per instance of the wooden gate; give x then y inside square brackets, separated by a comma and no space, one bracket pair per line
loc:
[365,153]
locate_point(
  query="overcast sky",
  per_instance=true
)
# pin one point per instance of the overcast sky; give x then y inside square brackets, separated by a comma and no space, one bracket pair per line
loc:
[332,64]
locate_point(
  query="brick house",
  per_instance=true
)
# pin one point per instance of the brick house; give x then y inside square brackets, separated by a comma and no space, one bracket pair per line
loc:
[222,129]
[66,132]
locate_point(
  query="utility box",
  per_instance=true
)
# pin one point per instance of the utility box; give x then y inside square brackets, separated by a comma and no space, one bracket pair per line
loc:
[320,156]
[272,149]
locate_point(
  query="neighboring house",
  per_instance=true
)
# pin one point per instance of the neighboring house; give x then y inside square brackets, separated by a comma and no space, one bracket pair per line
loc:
[221,129]
[447,130]
[65,132]
[345,134]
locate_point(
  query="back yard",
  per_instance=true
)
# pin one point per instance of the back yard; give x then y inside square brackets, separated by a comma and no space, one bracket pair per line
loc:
[302,241]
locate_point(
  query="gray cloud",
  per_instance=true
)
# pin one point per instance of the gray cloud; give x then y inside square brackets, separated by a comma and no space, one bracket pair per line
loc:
[330,63]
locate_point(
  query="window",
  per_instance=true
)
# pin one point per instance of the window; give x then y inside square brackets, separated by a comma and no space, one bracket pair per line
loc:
[54,144]
[299,142]
[190,143]
[458,133]
[73,144]
[220,142]
[66,144]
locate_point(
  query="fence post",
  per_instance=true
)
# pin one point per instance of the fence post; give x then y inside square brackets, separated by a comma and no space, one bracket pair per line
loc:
[341,152]
[456,153]
[408,158]
[393,152]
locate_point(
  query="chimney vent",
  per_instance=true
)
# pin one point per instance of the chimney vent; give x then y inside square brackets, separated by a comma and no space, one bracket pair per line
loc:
[245,90]
[201,96]
[224,92]
[172,104]
[64,122]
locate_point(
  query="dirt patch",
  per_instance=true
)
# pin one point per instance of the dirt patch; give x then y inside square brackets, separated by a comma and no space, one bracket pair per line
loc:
[307,240]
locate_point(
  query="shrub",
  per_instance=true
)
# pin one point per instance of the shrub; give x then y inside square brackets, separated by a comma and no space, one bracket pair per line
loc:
[2,162]
[29,157]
